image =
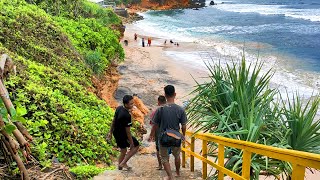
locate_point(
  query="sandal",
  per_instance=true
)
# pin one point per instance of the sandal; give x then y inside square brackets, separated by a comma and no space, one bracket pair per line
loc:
[126,167]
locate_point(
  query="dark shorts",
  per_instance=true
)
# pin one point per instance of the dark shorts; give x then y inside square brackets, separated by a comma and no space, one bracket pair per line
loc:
[123,142]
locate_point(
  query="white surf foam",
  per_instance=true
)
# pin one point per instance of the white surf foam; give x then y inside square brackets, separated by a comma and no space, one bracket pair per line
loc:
[307,14]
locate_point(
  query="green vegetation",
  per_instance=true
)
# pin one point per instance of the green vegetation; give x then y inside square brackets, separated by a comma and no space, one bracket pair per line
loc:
[98,44]
[237,103]
[86,172]
[56,54]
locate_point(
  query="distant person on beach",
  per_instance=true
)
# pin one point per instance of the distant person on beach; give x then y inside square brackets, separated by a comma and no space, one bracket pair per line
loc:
[165,42]
[149,41]
[171,41]
[120,129]
[125,42]
[135,36]
[177,44]
[161,101]
[142,40]
[169,118]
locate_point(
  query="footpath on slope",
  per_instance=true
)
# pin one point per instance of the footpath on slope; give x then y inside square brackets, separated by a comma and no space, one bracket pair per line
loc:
[144,167]
[145,72]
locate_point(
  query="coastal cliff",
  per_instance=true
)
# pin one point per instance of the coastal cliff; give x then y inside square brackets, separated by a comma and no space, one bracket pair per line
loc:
[167,4]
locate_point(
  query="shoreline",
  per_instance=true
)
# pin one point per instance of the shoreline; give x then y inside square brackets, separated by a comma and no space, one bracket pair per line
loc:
[146,70]
[289,74]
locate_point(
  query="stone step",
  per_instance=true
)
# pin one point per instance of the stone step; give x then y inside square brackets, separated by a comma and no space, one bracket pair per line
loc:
[144,167]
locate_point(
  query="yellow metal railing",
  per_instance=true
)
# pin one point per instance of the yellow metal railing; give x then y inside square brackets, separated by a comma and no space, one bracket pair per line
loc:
[299,160]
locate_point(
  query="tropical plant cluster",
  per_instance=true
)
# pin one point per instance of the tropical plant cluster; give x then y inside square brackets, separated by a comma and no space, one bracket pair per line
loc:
[57,49]
[89,171]
[237,102]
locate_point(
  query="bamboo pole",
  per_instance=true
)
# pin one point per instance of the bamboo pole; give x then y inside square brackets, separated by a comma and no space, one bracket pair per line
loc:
[6,65]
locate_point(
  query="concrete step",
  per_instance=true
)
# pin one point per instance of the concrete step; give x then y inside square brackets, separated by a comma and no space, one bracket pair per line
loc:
[144,167]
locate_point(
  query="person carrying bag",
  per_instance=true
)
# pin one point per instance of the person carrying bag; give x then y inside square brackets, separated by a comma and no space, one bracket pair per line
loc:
[169,118]
[170,137]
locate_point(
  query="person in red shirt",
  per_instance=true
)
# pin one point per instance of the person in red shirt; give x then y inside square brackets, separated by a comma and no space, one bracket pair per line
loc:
[149,41]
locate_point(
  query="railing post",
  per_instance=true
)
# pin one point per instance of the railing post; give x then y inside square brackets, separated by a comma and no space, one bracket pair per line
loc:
[298,172]
[191,156]
[220,160]
[205,155]
[246,164]
[183,155]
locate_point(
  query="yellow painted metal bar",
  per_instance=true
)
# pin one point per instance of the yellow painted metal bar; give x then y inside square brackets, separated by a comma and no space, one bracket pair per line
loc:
[183,155]
[246,164]
[220,160]
[204,155]
[299,159]
[298,172]
[192,157]
[296,157]
[219,168]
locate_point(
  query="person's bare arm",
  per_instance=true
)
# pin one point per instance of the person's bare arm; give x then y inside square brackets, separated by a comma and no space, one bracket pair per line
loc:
[153,132]
[111,130]
[129,137]
[184,129]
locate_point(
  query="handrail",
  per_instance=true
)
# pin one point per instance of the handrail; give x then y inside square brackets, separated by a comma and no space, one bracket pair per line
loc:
[299,160]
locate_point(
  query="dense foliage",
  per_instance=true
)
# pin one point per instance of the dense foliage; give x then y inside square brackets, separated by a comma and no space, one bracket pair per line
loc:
[73,9]
[67,121]
[88,171]
[98,44]
[237,102]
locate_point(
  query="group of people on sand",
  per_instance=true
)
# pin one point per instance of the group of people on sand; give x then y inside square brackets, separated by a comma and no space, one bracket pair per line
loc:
[171,42]
[166,120]
[143,40]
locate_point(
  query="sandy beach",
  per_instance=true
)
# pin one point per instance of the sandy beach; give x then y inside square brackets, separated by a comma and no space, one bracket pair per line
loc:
[146,70]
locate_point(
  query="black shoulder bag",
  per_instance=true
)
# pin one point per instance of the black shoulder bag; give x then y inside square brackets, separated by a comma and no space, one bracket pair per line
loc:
[169,137]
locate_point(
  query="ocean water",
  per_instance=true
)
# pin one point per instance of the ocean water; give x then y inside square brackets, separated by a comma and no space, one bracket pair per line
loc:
[284,34]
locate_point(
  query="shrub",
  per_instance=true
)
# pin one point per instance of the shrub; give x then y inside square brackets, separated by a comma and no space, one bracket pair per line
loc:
[87,171]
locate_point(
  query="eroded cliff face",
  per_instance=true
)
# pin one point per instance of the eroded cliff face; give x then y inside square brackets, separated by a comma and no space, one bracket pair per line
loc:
[161,4]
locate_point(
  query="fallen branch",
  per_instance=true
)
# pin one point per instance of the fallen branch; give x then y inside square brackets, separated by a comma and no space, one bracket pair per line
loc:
[52,172]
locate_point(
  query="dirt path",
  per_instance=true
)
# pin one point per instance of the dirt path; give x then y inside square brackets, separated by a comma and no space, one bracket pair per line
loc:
[145,72]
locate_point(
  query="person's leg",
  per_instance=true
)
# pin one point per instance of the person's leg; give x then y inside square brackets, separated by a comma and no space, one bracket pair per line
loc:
[176,153]
[128,156]
[165,161]
[132,152]
[123,152]
[159,161]
[158,154]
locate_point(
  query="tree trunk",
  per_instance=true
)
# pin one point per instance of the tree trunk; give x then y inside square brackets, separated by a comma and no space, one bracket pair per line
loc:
[10,144]
[22,168]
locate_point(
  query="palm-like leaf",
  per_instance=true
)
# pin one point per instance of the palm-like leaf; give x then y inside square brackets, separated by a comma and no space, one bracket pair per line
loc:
[236,102]
[304,135]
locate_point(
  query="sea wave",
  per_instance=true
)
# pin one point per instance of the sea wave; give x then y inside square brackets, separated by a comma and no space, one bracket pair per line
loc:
[215,48]
[309,29]
[306,14]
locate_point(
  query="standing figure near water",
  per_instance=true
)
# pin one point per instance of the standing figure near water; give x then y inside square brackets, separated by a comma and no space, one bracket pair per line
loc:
[135,36]
[142,40]
[120,129]
[149,41]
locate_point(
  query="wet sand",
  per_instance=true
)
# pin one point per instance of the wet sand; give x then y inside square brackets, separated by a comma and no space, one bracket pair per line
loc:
[146,70]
